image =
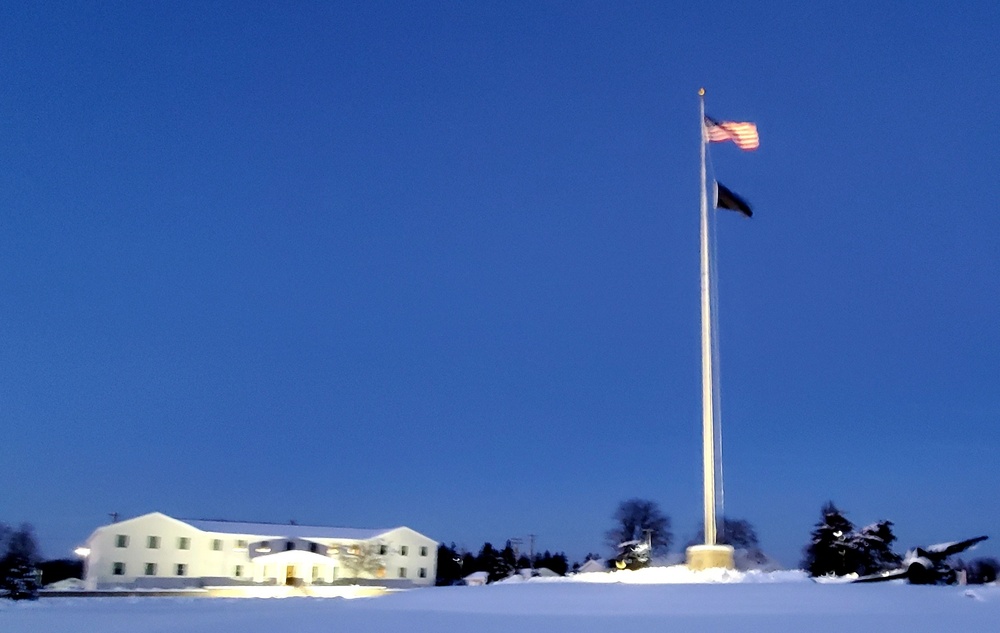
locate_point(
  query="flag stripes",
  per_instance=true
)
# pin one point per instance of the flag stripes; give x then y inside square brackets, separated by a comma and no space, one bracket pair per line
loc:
[742,133]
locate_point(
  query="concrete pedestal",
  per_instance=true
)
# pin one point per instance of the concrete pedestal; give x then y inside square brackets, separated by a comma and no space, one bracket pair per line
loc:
[709,556]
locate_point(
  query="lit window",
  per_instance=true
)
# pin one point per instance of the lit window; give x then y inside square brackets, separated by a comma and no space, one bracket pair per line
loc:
[118,569]
[121,540]
[153,542]
[402,572]
[423,572]
[404,550]
[150,569]
[238,572]
[423,550]
[183,543]
[217,545]
[181,569]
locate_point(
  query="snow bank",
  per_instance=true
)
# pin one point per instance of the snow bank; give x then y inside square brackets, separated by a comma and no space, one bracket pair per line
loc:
[549,607]
[680,574]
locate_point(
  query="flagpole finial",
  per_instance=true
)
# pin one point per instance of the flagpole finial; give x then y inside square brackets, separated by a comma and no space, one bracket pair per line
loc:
[701,92]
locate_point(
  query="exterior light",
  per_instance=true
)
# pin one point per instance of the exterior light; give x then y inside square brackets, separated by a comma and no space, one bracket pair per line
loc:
[82,552]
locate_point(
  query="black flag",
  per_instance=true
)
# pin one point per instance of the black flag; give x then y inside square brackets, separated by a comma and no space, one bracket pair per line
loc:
[726,199]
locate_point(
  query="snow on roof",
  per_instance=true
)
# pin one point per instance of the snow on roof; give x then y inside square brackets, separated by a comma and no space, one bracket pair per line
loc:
[593,566]
[285,529]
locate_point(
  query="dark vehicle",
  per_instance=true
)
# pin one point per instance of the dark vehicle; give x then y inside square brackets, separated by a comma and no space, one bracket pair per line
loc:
[927,565]
[634,554]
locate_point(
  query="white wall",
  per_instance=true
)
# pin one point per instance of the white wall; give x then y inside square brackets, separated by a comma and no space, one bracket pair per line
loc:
[413,561]
[205,564]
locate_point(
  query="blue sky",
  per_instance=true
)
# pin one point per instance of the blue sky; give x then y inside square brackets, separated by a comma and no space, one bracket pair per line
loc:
[437,264]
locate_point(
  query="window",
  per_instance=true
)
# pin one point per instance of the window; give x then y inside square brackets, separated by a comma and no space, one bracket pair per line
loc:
[150,569]
[423,572]
[289,546]
[152,542]
[183,543]
[241,544]
[314,547]
[118,569]
[402,572]
[334,572]
[121,540]
[423,550]
[383,550]
[182,569]
[404,550]
[238,572]
[315,573]
[217,545]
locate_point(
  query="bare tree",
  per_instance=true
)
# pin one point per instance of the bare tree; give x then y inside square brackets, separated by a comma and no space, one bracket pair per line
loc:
[364,559]
[18,565]
[634,518]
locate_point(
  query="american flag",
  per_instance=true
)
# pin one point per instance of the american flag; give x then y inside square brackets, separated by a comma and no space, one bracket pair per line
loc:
[741,133]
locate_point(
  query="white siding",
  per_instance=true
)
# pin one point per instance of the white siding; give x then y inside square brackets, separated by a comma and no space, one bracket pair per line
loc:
[207,566]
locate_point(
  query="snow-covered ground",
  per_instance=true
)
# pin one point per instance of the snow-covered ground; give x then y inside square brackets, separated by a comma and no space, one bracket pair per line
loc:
[633,602]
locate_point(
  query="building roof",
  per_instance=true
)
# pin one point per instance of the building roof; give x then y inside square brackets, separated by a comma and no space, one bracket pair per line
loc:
[593,566]
[285,529]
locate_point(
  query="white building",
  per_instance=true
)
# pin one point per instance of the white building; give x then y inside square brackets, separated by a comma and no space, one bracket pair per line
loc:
[158,551]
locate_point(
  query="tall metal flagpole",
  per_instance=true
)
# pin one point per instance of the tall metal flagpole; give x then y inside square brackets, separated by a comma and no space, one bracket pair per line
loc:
[708,420]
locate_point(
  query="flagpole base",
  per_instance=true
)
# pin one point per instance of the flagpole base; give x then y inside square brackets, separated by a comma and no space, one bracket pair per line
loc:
[701,557]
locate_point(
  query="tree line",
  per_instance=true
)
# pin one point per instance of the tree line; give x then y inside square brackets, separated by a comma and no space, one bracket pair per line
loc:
[454,563]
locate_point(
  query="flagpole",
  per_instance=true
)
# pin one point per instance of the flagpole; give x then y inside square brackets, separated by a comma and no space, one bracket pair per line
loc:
[711,554]
[708,420]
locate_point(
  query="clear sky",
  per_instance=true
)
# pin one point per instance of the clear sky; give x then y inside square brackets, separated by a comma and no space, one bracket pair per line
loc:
[436,264]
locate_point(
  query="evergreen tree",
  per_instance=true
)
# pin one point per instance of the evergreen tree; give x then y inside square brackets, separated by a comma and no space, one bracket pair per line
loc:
[449,565]
[487,558]
[498,564]
[469,564]
[559,563]
[832,550]
[18,566]
[506,565]
[874,549]
[60,569]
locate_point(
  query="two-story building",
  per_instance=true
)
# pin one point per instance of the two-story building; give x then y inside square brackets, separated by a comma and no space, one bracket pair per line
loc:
[158,551]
